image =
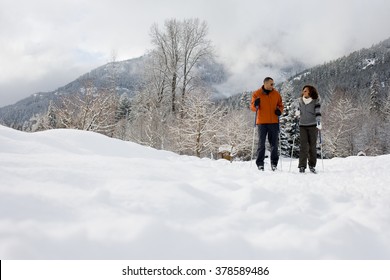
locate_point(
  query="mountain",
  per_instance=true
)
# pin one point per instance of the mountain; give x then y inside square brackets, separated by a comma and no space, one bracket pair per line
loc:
[128,77]
[352,74]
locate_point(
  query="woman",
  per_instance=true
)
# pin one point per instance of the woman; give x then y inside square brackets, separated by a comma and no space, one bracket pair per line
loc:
[309,124]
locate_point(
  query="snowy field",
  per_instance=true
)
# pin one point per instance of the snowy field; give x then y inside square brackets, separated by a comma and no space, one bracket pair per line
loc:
[67,194]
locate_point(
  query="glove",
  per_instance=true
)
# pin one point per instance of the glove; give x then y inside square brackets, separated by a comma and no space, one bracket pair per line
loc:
[278,112]
[319,126]
[297,113]
[257,102]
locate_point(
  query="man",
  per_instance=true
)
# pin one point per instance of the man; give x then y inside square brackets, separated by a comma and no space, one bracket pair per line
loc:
[269,106]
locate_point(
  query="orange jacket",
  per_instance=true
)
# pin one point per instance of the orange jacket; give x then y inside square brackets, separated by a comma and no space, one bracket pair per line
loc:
[268,104]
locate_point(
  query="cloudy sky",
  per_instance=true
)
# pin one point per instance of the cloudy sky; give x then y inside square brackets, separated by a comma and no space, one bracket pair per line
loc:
[44,44]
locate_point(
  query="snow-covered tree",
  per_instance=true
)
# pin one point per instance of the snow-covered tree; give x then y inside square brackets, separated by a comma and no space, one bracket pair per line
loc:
[195,47]
[196,132]
[124,107]
[147,120]
[178,48]
[122,116]
[386,122]
[88,110]
[48,121]
[340,126]
[151,108]
[289,129]
[376,119]
[386,107]
[374,94]
[235,132]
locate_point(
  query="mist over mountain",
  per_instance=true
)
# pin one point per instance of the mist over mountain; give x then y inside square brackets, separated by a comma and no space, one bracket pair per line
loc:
[351,74]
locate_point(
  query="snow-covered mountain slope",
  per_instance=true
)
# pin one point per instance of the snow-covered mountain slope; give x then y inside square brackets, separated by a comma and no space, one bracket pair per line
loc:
[67,194]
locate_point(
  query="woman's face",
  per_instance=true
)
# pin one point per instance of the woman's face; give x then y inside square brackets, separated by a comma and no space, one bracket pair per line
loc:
[306,92]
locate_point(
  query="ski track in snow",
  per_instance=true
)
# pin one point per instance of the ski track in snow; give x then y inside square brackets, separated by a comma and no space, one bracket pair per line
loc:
[67,194]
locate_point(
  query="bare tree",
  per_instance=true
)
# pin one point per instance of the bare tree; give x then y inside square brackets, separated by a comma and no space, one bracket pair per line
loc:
[151,108]
[148,120]
[195,47]
[168,52]
[156,77]
[88,110]
[196,132]
[178,48]
[340,126]
[235,131]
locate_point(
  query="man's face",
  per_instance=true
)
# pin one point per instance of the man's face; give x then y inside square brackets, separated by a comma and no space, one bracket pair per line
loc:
[269,85]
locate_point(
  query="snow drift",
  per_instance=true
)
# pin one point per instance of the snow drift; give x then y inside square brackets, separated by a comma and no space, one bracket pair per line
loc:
[67,194]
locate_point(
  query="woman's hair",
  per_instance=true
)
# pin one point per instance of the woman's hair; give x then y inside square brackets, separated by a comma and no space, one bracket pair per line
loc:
[312,91]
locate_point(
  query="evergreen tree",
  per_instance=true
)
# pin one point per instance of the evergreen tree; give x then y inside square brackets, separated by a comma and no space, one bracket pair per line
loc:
[377,143]
[386,123]
[374,95]
[386,108]
[124,107]
[48,121]
[288,122]
[122,117]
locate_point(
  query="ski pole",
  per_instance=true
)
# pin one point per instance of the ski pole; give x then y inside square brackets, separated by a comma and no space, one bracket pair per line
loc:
[292,148]
[280,147]
[322,158]
[254,134]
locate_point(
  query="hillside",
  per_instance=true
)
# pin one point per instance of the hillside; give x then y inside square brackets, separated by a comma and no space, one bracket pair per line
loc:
[68,194]
[351,74]
[129,79]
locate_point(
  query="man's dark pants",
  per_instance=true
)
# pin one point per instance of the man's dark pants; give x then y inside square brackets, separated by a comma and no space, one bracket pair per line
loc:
[272,130]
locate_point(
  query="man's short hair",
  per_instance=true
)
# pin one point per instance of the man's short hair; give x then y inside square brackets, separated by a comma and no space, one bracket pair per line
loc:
[267,79]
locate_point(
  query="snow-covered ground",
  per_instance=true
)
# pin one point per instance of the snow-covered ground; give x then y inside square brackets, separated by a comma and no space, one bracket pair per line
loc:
[67,194]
